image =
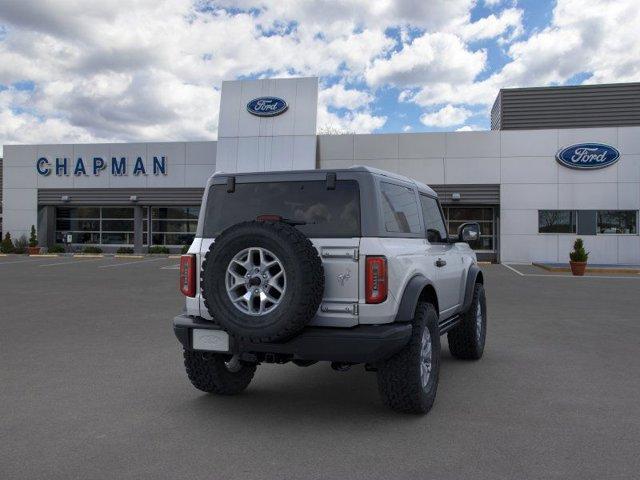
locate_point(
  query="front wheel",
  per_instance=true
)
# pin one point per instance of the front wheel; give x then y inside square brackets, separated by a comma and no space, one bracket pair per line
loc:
[408,381]
[466,340]
[217,373]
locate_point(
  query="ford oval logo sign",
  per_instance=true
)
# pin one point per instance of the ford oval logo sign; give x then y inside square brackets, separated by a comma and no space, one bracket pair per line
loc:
[588,156]
[267,106]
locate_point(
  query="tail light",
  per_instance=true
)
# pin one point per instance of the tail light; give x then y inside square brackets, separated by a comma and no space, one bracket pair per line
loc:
[376,280]
[188,275]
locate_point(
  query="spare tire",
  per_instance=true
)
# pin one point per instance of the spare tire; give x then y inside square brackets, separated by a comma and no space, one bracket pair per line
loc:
[262,281]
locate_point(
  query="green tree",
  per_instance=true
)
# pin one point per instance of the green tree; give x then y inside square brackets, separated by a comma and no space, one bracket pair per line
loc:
[33,238]
[7,244]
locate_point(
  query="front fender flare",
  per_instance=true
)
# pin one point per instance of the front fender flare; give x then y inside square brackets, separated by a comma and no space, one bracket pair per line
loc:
[472,277]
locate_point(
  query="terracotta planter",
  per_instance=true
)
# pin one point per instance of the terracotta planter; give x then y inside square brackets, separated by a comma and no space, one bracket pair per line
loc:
[578,268]
[33,250]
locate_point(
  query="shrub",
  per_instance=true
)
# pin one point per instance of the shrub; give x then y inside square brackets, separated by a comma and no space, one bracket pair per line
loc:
[579,254]
[7,244]
[125,251]
[158,249]
[91,249]
[33,238]
[57,248]
[185,249]
[20,245]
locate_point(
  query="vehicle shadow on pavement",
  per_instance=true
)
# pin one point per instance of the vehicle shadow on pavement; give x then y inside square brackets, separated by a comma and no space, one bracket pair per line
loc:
[292,394]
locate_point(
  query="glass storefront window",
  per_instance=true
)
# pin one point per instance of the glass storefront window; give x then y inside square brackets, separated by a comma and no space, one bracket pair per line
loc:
[173,226]
[618,221]
[95,225]
[556,221]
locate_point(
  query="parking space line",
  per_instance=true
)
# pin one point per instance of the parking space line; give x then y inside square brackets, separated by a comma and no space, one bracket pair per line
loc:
[513,269]
[31,260]
[131,263]
[551,275]
[72,262]
[171,267]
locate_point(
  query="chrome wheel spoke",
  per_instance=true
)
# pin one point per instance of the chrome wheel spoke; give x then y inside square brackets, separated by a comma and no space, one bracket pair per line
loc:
[255,281]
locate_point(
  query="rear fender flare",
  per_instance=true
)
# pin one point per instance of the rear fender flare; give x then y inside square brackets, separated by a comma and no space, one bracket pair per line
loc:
[410,297]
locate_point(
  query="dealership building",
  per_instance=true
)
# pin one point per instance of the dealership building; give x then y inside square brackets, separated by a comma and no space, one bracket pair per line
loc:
[558,163]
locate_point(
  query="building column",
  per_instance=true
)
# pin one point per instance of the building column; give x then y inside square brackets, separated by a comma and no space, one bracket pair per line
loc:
[138,216]
[46,227]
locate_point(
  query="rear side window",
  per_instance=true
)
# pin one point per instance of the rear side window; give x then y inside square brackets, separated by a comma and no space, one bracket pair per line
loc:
[436,231]
[399,209]
[321,212]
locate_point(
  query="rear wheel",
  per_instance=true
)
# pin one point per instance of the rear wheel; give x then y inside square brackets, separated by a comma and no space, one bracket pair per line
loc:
[466,340]
[408,381]
[217,373]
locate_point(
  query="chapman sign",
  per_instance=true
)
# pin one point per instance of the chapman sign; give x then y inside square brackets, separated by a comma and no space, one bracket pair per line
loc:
[118,166]
[588,156]
[267,106]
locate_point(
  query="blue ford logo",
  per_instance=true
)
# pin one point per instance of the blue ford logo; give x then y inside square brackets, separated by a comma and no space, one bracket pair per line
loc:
[267,106]
[588,156]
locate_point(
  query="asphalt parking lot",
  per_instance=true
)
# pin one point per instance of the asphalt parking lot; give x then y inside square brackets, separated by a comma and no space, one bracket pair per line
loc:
[92,386]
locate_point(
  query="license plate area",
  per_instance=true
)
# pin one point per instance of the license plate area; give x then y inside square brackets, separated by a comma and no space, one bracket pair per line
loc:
[210,340]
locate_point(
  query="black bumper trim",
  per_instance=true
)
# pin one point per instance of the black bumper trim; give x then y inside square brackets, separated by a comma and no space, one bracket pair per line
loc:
[360,344]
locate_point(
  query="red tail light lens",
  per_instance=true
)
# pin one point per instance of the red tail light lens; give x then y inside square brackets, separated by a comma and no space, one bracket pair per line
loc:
[376,280]
[188,275]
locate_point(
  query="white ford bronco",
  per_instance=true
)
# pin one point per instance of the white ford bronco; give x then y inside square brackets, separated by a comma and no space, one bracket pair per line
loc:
[348,266]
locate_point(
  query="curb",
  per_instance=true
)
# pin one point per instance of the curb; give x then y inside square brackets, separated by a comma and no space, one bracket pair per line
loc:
[127,255]
[588,270]
[88,255]
[45,255]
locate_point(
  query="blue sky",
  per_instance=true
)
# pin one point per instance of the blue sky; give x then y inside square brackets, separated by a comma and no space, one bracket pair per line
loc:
[77,71]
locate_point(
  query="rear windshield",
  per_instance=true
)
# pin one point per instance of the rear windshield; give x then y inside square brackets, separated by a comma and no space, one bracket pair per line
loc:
[321,212]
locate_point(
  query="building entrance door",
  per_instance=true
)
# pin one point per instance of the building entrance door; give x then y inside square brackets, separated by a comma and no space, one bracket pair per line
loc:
[486,247]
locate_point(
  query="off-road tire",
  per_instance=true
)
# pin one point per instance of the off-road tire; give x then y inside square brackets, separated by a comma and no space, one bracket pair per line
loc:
[399,379]
[303,269]
[464,341]
[209,373]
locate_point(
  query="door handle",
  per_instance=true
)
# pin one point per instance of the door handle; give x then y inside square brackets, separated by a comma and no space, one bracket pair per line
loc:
[440,263]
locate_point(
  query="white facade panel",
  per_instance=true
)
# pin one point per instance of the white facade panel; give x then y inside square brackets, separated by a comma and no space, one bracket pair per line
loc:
[572,136]
[473,144]
[587,196]
[529,143]
[375,147]
[629,196]
[628,249]
[425,170]
[421,145]
[528,248]
[472,170]
[603,249]
[528,196]
[200,153]
[267,142]
[529,170]
[519,222]
[335,147]
[629,141]
[629,168]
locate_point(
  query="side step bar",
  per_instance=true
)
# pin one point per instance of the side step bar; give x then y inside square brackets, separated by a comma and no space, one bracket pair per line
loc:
[449,323]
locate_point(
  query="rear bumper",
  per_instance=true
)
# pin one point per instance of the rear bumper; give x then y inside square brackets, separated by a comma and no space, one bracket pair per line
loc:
[360,344]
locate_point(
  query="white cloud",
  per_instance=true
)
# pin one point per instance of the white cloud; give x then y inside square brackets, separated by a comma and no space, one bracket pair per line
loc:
[407,128]
[340,97]
[432,57]
[509,22]
[469,128]
[447,116]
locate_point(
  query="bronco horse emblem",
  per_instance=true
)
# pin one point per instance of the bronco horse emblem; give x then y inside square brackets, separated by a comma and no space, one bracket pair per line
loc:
[343,277]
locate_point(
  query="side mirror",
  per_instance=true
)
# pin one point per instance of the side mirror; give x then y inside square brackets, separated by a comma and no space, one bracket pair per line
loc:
[469,232]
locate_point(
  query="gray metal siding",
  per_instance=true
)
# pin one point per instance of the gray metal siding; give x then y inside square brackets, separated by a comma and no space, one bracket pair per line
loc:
[469,194]
[567,107]
[1,195]
[121,196]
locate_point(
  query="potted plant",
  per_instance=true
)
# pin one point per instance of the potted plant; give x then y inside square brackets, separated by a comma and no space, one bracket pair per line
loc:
[578,258]
[33,249]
